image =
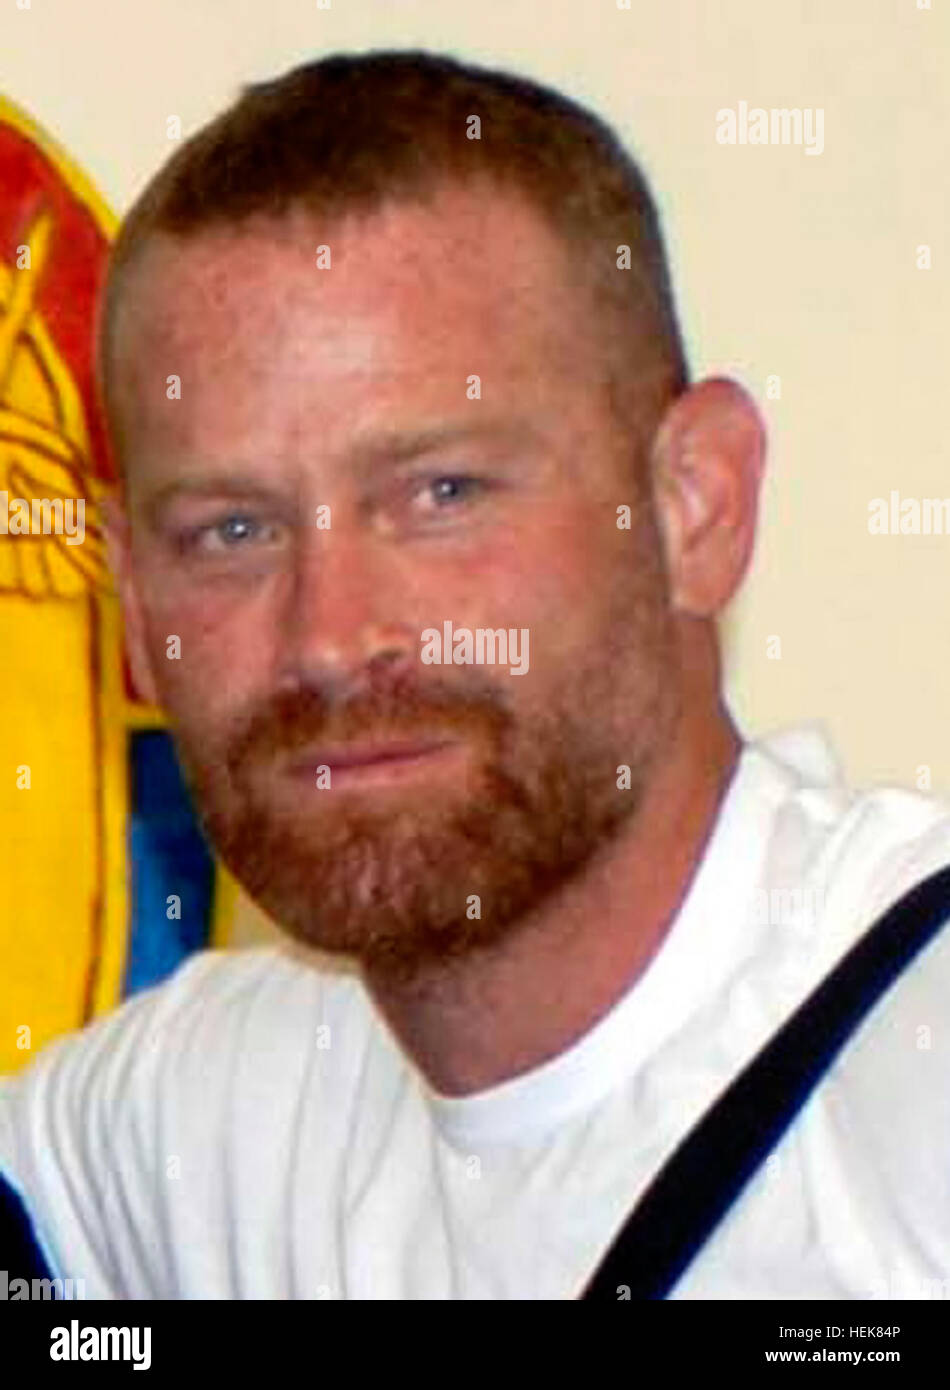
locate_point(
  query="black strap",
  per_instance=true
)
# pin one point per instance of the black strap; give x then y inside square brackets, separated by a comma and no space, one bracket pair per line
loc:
[20,1253]
[696,1187]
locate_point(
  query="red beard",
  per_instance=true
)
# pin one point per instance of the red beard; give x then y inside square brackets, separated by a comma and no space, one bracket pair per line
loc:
[420,874]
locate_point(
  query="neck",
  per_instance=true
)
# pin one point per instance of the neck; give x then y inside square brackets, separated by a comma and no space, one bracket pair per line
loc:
[475,1022]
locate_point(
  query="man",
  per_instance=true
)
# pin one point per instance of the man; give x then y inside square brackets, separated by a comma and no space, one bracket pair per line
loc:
[422,540]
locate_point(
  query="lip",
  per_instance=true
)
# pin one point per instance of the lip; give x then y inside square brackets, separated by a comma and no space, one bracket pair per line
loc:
[372,759]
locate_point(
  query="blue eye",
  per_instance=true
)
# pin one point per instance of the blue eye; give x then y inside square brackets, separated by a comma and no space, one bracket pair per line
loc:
[235,532]
[452,487]
[234,528]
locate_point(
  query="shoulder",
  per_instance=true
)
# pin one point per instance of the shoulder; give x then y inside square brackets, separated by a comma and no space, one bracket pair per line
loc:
[875,1136]
[207,1065]
[832,860]
[222,1012]
[858,850]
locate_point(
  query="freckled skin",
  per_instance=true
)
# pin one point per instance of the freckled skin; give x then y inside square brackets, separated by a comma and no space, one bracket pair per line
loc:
[298,386]
[282,366]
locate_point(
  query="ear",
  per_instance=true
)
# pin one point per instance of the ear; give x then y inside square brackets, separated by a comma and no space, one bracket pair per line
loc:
[708,458]
[119,544]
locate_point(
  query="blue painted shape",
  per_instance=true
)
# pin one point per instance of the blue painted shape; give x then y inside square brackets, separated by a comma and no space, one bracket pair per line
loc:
[168,855]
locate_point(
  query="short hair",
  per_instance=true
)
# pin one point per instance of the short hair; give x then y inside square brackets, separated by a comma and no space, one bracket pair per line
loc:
[350,132]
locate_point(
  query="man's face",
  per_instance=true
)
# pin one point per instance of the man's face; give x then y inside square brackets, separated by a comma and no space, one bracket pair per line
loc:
[332,482]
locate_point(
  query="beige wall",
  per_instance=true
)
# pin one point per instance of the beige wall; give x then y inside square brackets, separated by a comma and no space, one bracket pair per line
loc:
[788,264]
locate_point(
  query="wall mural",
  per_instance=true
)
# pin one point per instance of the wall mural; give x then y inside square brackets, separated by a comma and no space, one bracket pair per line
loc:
[107,882]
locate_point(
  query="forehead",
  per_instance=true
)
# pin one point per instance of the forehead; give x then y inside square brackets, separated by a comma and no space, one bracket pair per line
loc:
[397,312]
[483,250]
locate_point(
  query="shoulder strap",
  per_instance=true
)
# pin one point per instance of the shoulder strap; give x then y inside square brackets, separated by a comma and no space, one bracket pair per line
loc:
[20,1252]
[693,1191]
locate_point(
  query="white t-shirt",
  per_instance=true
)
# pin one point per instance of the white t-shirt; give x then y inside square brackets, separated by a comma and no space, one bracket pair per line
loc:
[250,1129]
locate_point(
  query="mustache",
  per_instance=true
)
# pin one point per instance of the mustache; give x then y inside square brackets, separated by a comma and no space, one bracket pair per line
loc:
[294,720]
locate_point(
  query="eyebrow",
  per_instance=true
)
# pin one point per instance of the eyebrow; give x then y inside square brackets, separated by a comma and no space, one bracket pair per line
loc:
[375,450]
[205,486]
[398,445]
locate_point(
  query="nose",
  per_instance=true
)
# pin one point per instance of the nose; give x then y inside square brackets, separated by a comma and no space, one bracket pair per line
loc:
[339,623]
